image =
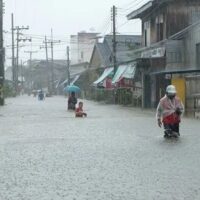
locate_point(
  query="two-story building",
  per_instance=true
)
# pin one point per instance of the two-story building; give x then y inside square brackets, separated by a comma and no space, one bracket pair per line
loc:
[171,47]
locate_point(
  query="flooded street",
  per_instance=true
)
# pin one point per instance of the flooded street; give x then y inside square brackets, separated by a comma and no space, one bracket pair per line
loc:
[116,153]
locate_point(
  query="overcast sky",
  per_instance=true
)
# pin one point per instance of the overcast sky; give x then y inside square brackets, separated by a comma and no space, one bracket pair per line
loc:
[66,17]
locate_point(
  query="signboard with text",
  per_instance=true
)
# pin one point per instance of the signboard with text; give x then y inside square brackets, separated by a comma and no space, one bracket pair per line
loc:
[154,53]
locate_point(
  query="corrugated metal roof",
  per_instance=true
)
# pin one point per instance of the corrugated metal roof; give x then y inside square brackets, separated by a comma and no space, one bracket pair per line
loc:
[141,12]
[105,54]
[125,44]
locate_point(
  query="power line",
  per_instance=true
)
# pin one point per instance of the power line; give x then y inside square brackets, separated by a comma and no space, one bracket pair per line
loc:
[104,24]
[135,4]
[128,4]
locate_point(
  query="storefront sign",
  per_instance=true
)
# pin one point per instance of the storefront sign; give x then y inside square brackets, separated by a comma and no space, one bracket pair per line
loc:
[154,53]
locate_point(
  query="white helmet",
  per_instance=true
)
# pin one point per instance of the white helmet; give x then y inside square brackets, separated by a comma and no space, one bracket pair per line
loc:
[171,89]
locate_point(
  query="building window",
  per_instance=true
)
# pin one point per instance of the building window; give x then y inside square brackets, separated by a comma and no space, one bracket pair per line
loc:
[159,28]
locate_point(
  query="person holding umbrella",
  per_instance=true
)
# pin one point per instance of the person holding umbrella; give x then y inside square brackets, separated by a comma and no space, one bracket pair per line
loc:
[72,101]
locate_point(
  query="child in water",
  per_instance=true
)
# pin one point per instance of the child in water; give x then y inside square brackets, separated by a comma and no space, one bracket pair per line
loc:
[79,111]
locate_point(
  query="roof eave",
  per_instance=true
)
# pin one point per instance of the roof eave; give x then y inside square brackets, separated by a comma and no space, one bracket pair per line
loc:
[138,13]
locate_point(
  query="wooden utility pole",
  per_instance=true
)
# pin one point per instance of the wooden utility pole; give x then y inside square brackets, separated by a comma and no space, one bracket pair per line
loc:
[114,39]
[17,59]
[13,53]
[45,46]
[2,56]
[52,64]
[51,86]
[46,49]
[68,66]
[22,76]
[47,61]
[18,29]
[30,53]
[52,42]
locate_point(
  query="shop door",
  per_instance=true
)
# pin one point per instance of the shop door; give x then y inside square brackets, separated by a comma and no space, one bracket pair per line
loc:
[180,85]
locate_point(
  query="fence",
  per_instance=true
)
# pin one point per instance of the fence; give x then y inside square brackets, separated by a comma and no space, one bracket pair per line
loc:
[122,96]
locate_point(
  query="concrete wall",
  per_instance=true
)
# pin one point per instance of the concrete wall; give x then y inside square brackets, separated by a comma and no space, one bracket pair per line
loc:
[86,42]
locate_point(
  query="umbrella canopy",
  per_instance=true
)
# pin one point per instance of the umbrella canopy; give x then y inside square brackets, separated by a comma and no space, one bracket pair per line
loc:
[72,88]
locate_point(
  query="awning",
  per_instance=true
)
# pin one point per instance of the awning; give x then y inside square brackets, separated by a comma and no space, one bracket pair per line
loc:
[57,82]
[120,71]
[105,74]
[64,82]
[75,79]
[130,71]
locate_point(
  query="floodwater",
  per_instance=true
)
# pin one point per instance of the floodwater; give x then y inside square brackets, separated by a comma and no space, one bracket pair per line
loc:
[116,153]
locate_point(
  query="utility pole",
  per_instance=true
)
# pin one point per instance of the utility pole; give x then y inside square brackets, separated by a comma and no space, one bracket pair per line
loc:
[52,42]
[18,29]
[22,77]
[13,53]
[17,60]
[47,63]
[30,53]
[30,66]
[52,64]
[68,66]
[2,55]
[114,39]
[46,49]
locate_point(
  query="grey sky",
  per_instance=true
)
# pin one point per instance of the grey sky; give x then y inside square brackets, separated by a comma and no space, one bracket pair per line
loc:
[66,17]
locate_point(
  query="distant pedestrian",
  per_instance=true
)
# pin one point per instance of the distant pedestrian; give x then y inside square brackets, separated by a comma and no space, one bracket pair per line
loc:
[72,101]
[41,95]
[79,111]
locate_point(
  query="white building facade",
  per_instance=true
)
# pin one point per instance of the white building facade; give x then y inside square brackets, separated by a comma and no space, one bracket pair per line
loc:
[81,46]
